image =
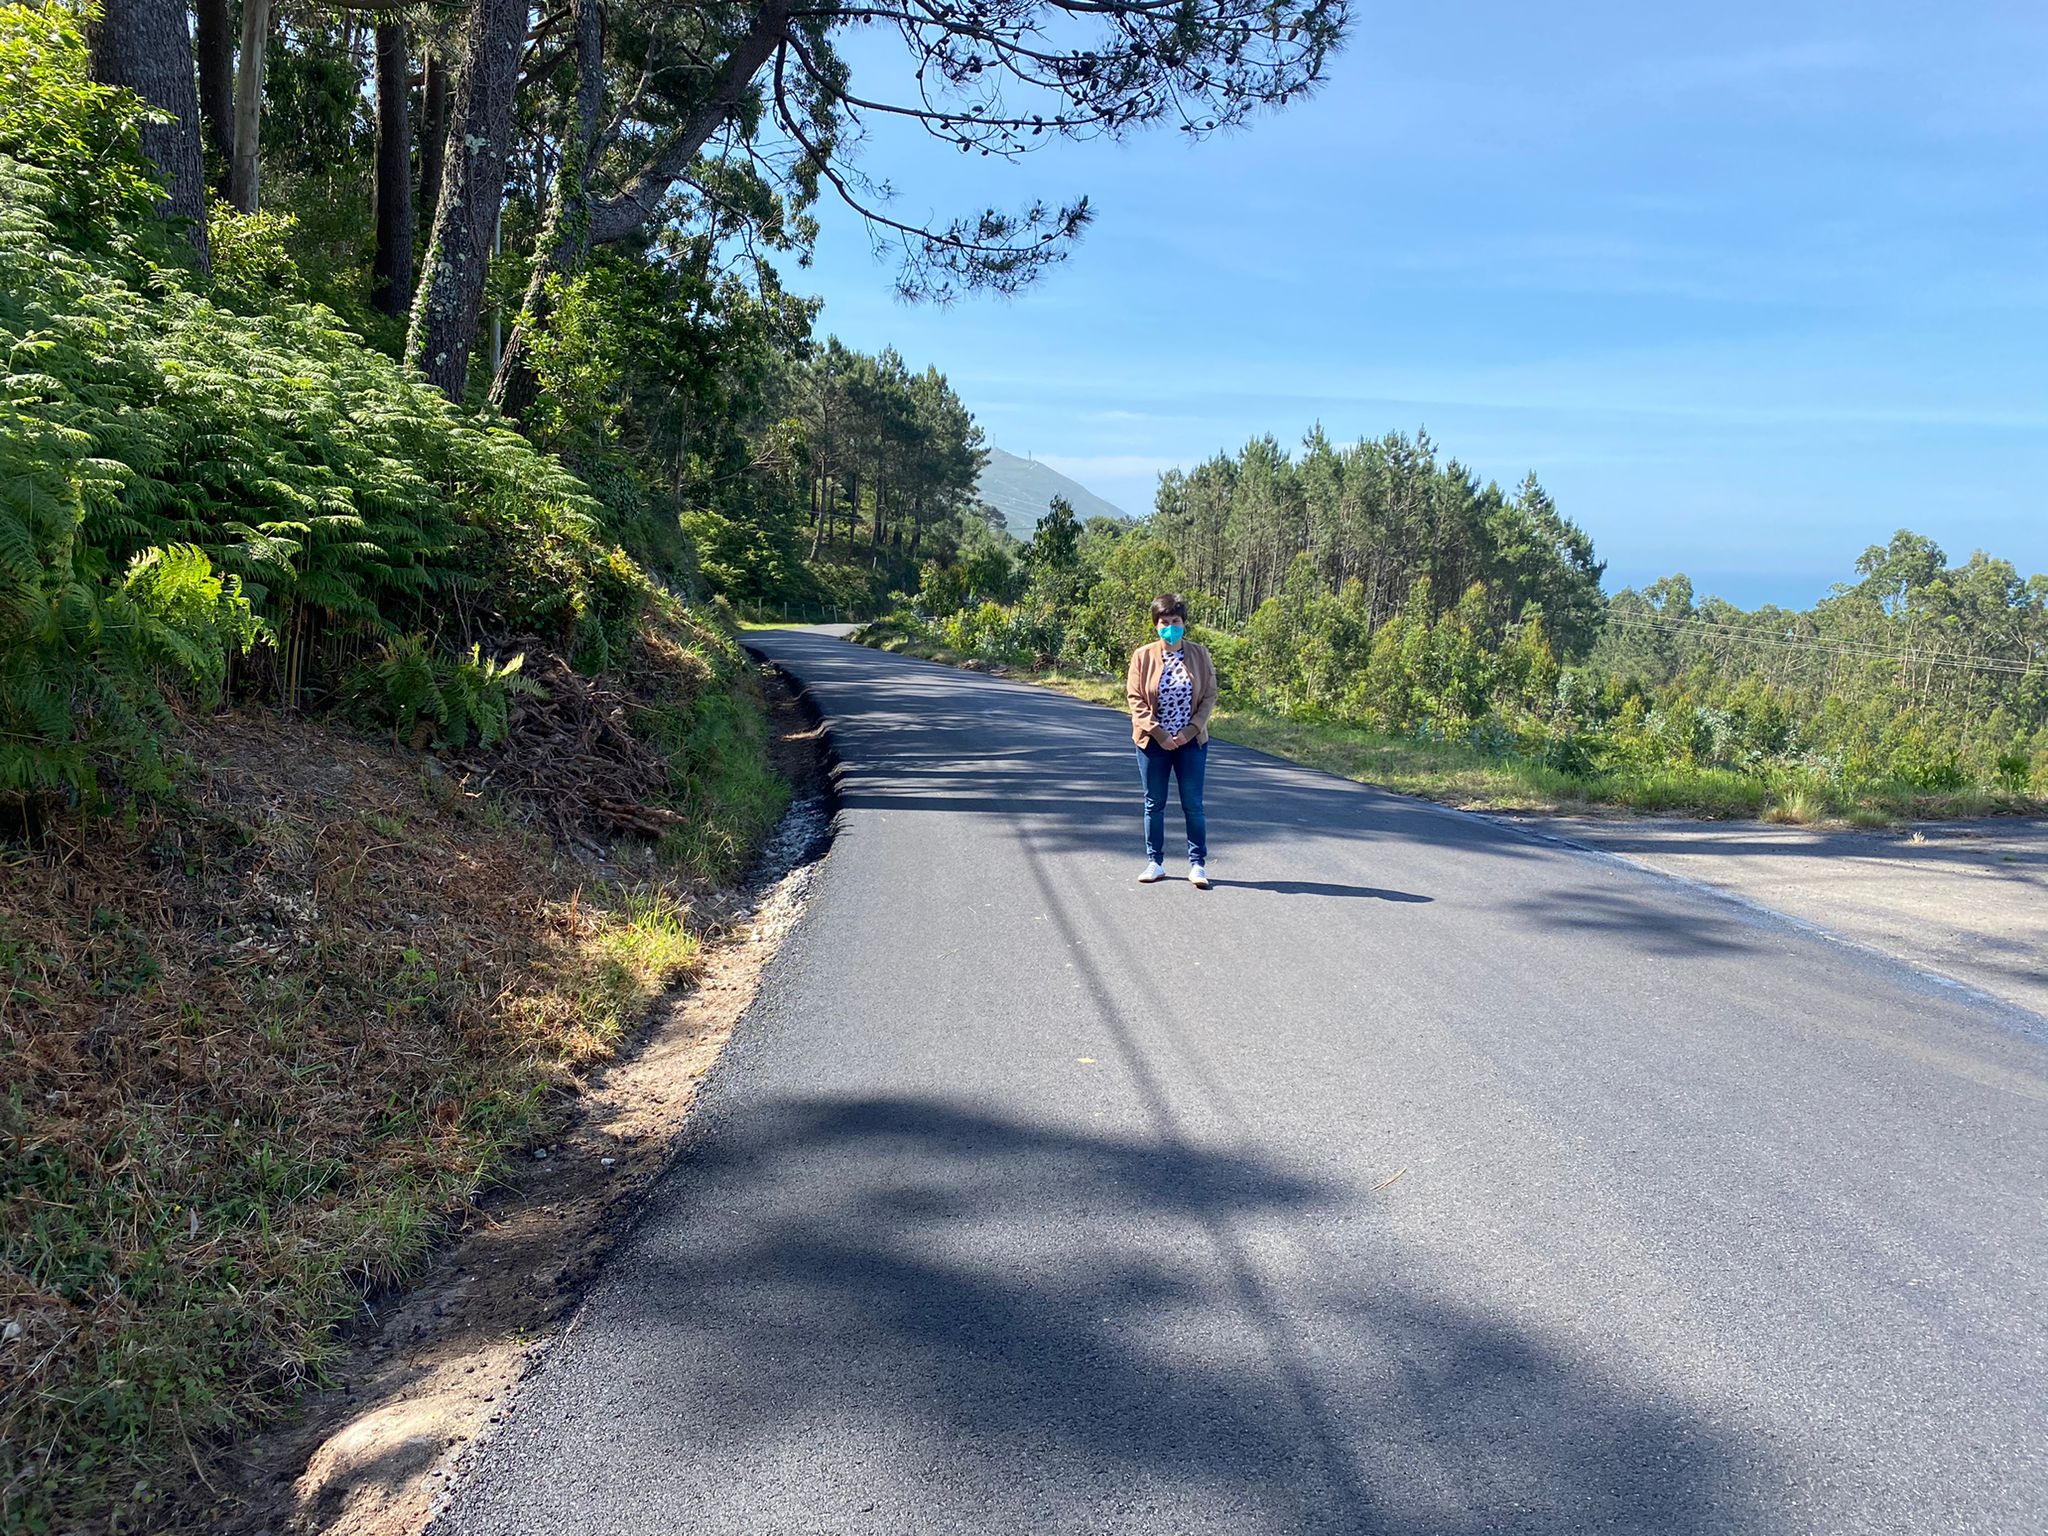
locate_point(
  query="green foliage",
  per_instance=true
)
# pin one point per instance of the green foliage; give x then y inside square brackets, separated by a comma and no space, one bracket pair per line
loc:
[988,629]
[1921,686]
[1055,543]
[1301,644]
[552,580]
[1382,514]
[88,666]
[2012,771]
[1109,610]
[1920,680]
[423,696]
[253,269]
[224,431]
[94,187]
[315,111]
[989,573]
[942,590]
[89,658]
[882,470]
[663,383]
[343,490]
[702,711]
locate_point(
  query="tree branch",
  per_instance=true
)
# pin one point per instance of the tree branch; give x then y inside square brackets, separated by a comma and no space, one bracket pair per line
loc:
[991,255]
[617,217]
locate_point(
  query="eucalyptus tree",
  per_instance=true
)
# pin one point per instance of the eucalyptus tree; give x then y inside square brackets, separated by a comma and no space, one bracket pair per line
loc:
[245,157]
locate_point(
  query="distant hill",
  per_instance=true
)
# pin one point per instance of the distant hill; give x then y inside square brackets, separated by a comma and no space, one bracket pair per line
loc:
[1021,489]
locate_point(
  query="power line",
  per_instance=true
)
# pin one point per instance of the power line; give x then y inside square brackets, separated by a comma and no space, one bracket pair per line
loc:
[2000,665]
[2003,666]
[2011,666]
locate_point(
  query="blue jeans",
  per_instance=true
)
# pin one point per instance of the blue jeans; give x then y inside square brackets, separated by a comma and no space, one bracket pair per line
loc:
[1187,764]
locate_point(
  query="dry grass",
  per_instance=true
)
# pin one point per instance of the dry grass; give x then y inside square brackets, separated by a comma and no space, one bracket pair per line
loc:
[254,1049]
[1798,808]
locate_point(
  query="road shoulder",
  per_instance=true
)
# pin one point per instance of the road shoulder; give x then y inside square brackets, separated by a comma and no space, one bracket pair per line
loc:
[1964,900]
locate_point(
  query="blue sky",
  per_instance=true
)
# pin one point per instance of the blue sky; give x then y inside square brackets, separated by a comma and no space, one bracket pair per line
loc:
[1748,286]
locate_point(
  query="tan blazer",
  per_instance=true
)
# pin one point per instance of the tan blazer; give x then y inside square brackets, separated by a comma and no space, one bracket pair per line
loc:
[1141,688]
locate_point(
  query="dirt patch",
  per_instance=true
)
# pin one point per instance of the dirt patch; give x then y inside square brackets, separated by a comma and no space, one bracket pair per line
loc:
[429,1370]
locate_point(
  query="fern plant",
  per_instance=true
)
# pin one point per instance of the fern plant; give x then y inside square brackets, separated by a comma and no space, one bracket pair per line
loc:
[422,697]
[88,661]
[186,457]
[478,691]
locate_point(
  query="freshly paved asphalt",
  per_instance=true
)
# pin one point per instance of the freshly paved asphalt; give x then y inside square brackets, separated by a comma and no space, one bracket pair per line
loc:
[1423,1177]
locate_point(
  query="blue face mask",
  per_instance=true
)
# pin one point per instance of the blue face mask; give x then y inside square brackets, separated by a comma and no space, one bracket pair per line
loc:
[1172,632]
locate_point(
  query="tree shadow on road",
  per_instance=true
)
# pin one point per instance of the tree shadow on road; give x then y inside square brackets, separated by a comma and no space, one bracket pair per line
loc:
[1078,784]
[927,738]
[1642,915]
[895,1313]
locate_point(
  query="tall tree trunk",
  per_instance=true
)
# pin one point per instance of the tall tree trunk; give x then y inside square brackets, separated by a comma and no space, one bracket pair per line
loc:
[146,45]
[217,81]
[450,299]
[565,238]
[433,129]
[248,155]
[613,219]
[391,274]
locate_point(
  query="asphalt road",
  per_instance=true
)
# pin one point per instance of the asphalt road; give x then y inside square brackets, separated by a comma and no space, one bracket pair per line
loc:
[1423,1177]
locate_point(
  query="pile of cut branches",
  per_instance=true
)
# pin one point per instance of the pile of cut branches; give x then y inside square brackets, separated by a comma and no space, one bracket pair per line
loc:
[570,755]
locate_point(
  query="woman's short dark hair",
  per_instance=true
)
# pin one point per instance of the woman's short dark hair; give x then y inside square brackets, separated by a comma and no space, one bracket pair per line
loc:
[1168,603]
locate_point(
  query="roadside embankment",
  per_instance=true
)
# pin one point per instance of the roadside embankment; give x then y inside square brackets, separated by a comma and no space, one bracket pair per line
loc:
[268,1043]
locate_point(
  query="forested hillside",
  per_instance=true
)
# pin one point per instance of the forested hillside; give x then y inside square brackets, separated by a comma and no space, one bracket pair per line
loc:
[281,987]
[1459,634]
[1021,489]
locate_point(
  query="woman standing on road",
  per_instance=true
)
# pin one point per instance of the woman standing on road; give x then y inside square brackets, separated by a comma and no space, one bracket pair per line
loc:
[1171,686]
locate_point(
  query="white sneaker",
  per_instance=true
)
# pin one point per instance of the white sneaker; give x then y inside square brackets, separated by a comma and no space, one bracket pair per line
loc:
[1154,872]
[1198,877]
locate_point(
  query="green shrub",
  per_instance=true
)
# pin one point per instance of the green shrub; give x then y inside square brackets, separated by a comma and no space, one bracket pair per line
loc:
[420,696]
[84,138]
[239,453]
[88,657]
[984,630]
[941,589]
[252,269]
